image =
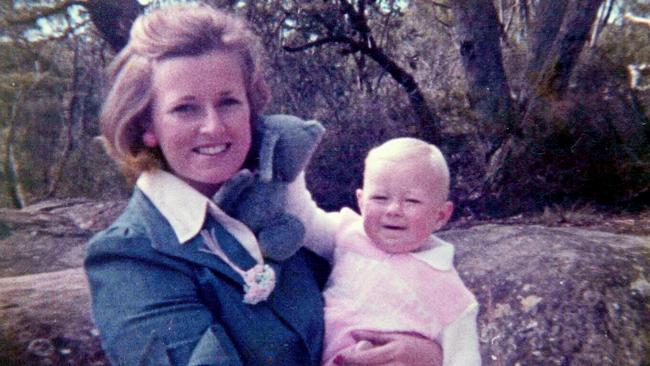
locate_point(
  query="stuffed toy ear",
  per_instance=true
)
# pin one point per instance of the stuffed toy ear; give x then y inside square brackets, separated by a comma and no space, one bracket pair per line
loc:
[292,142]
[269,143]
[296,149]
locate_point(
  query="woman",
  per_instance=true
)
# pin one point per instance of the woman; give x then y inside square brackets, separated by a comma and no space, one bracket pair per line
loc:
[167,277]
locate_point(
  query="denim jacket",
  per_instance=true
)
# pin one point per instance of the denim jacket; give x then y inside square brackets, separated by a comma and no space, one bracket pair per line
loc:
[157,302]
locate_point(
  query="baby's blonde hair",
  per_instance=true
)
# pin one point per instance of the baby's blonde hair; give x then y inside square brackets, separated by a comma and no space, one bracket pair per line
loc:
[407,148]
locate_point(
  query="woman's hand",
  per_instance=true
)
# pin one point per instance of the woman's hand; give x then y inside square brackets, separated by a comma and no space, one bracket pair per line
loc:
[391,349]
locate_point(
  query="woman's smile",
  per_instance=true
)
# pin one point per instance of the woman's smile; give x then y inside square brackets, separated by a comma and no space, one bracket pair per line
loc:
[212,150]
[201,117]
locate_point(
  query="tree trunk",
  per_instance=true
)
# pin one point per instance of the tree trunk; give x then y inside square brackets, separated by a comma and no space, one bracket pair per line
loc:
[66,136]
[563,55]
[489,93]
[602,23]
[429,121]
[547,21]
[113,19]
[12,183]
[525,162]
[558,64]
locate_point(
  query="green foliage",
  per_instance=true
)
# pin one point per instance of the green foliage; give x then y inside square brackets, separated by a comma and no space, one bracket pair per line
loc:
[354,97]
[626,42]
[51,88]
[336,170]
[358,102]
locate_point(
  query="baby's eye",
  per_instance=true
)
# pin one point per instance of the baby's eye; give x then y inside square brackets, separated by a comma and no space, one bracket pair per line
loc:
[413,200]
[378,198]
[226,102]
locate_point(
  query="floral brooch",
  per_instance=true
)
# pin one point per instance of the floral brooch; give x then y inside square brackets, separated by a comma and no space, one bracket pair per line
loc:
[259,281]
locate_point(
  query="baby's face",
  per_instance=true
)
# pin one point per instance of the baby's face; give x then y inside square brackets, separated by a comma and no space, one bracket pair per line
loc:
[401,204]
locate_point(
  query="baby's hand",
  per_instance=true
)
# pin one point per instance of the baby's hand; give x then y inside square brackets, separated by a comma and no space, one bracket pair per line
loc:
[362,345]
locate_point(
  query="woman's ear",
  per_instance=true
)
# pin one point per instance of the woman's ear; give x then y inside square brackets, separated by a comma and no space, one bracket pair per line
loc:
[149,139]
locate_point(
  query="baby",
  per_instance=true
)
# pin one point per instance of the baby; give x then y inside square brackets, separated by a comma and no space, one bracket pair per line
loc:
[390,274]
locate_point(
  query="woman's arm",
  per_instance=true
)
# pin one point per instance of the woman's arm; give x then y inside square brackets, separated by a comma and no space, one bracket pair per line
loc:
[391,349]
[147,307]
[459,341]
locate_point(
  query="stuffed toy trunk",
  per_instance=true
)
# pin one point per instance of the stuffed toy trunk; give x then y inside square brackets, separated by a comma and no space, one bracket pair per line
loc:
[284,145]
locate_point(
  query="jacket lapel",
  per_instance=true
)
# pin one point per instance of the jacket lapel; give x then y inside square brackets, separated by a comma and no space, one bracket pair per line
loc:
[300,274]
[164,240]
[283,302]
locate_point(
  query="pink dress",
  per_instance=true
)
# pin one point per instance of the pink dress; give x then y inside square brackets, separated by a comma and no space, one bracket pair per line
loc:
[373,290]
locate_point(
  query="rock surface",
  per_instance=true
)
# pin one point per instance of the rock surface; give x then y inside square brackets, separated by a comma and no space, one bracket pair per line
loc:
[45,320]
[44,304]
[557,296]
[50,236]
[549,296]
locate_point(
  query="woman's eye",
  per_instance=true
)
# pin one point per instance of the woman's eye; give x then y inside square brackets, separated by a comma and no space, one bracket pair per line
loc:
[185,108]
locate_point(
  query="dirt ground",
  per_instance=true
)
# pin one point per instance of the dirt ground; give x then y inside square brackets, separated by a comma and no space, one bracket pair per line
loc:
[587,217]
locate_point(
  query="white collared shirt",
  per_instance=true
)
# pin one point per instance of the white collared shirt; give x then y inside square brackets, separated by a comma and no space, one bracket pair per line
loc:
[185,209]
[438,254]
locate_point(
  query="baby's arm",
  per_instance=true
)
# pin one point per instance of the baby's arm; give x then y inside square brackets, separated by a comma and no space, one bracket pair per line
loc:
[460,340]
[320,226]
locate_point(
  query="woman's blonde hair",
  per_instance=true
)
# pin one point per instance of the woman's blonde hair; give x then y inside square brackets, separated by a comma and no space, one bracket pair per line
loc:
[173,31]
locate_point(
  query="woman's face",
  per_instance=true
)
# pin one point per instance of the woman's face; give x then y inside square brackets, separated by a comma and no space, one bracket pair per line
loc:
[201,117]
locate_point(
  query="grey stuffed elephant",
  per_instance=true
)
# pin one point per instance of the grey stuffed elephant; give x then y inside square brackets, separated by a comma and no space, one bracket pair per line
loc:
[284,145]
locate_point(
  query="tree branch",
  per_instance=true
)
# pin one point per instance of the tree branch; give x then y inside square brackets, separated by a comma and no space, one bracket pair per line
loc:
[320,42]
[362,41]
[440,5]
[35,13]
[113,19]
[357,19]
[638,20]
